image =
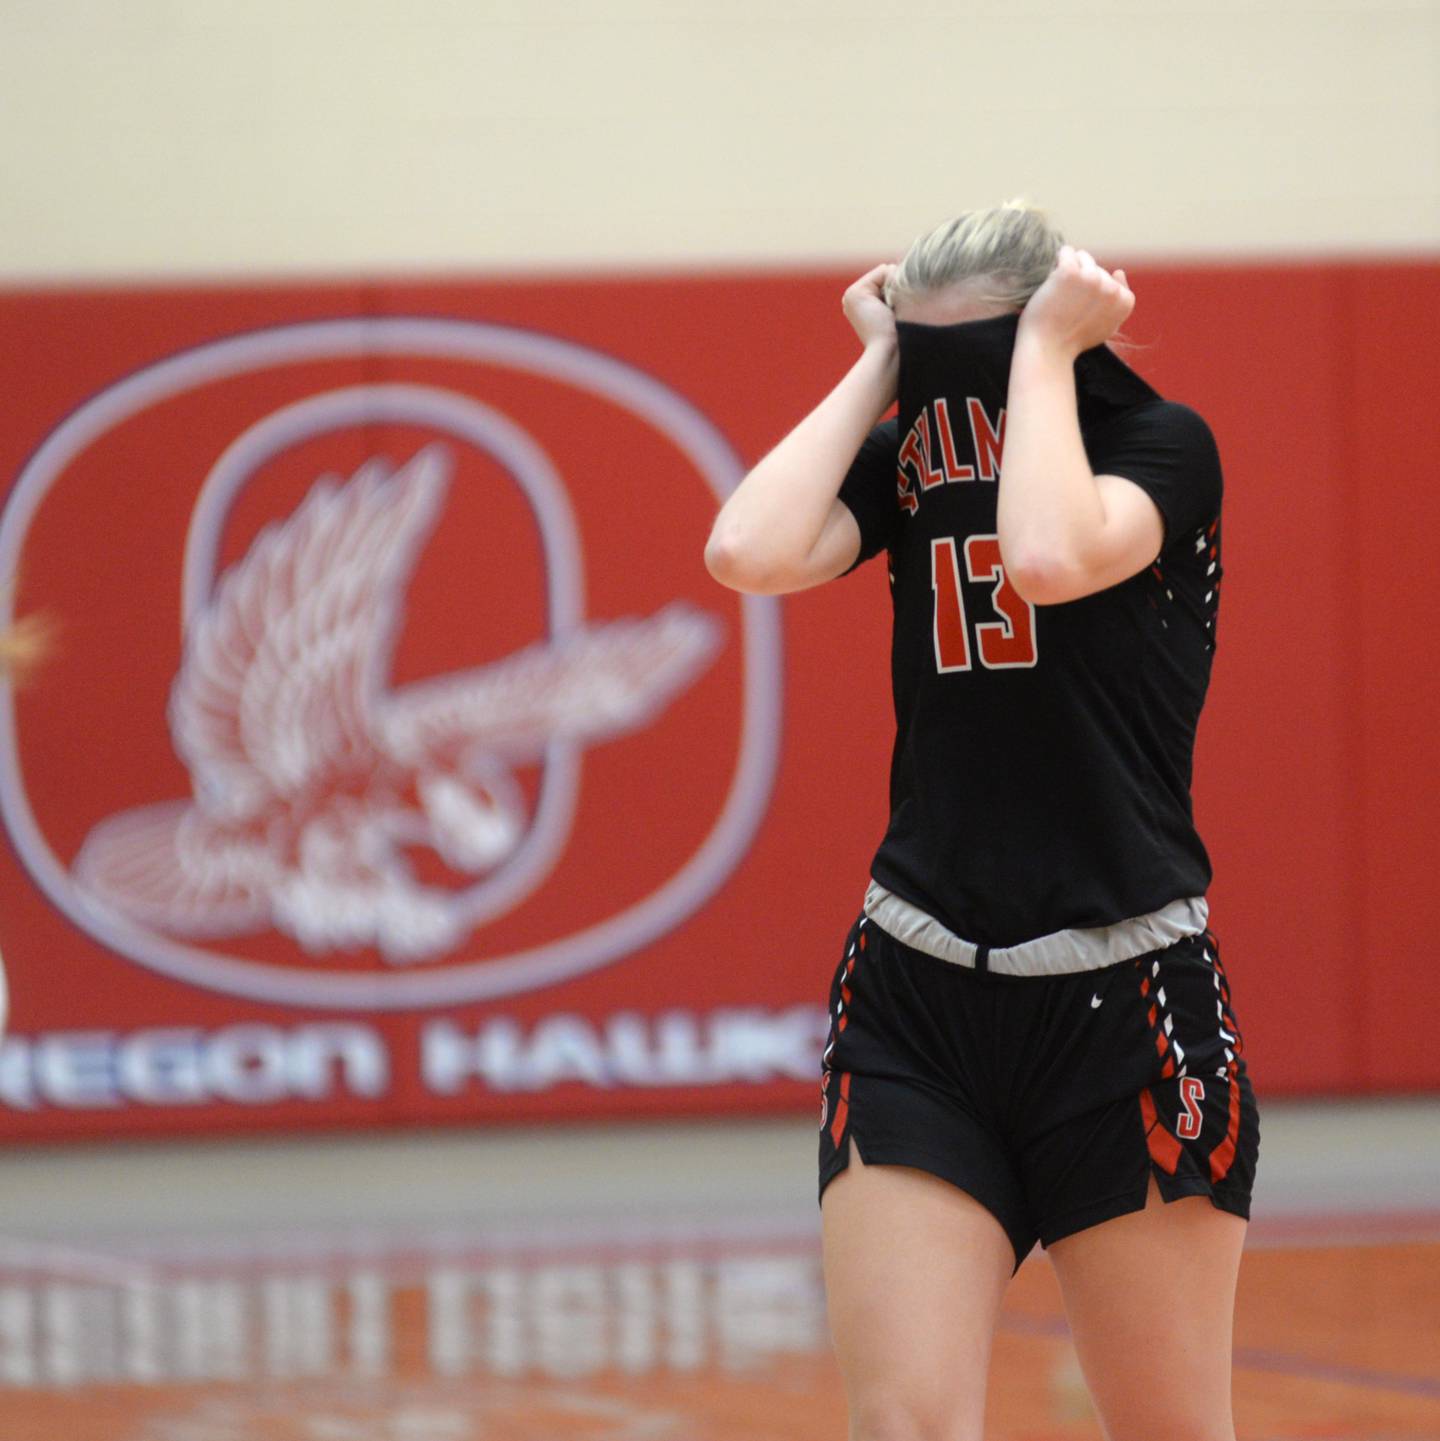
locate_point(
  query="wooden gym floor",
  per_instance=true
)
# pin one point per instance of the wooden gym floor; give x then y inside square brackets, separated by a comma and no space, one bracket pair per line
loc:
[656,1283]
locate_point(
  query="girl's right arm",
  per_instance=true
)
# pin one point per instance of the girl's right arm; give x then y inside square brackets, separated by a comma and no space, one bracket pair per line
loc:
[784,527]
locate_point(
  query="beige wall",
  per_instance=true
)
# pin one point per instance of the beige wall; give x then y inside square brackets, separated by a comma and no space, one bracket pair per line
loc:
[144,137]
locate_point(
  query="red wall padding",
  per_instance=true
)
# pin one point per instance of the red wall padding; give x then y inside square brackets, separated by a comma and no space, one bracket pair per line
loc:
[1317,768]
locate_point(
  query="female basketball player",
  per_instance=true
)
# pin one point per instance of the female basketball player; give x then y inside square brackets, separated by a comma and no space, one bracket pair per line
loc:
[1031,1036]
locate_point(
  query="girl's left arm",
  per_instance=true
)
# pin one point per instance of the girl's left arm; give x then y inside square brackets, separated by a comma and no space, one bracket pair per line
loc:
[1064,531]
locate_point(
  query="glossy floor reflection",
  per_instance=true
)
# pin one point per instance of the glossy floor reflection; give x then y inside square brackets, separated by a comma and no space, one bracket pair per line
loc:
[626,1324]
[701,1339]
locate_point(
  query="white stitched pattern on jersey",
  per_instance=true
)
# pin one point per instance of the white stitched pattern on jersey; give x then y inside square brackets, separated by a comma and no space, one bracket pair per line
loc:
[1182,589]
[1209,536]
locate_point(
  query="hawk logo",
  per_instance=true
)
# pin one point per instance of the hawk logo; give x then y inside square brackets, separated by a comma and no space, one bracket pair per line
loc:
[361,818]
[309,777]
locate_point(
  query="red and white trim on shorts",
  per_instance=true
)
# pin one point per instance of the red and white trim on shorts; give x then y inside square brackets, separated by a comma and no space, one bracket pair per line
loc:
[1165,1145]
[1223,1156]
[841,1020]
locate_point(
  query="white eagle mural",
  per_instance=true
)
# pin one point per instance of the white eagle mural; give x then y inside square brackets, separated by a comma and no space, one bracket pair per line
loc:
[311,777]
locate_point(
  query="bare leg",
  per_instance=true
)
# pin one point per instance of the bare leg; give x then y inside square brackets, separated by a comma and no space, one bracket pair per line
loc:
[1151,1301]
[914,1273]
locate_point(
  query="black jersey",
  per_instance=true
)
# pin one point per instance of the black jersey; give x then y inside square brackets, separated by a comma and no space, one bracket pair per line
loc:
[1041,772]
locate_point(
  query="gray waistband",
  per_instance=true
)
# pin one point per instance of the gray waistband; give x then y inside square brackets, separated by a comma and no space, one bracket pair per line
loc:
[1059,953]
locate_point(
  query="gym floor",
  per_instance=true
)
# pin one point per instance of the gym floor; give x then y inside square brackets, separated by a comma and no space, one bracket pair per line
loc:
[644,1283]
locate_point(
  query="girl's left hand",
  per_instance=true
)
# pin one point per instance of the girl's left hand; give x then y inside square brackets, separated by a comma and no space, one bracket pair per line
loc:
[1080,305]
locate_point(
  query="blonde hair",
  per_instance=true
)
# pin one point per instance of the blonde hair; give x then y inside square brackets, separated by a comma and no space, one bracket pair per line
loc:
[1010,247]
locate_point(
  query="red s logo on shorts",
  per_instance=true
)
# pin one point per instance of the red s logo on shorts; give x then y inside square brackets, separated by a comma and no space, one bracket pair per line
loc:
[1192,1096]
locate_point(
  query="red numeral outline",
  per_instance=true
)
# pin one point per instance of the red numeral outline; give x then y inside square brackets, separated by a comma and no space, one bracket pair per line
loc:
[1004,644]
[952,637]
[1007,643]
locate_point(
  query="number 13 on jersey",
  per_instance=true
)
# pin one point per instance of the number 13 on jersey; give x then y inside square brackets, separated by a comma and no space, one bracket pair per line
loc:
[1004,644]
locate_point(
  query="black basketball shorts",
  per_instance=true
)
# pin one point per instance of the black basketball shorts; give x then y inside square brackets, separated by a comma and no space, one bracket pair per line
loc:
[1051,1100]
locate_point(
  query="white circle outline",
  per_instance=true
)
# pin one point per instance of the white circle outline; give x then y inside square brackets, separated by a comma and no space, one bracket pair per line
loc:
[546,356]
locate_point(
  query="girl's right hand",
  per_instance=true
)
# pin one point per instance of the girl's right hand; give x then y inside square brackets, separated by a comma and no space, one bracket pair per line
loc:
[1080,305]
[866,310]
